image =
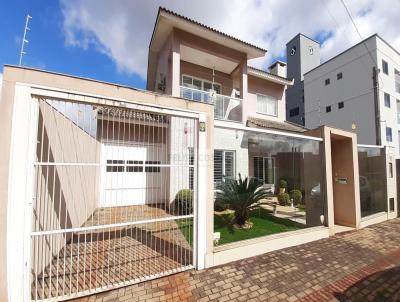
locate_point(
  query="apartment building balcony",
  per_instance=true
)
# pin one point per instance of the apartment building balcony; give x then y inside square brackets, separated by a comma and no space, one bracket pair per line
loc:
[225,107]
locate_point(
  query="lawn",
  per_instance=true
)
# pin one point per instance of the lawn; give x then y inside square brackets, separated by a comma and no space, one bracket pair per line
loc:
[264,223]
[186,228]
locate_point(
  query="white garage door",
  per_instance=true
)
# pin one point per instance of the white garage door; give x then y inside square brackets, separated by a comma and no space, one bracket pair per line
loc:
[131,174]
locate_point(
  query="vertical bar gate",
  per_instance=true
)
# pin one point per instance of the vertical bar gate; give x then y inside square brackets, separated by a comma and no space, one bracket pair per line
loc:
[115,190]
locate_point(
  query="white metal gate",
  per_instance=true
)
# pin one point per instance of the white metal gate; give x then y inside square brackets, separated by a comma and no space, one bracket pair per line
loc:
[105,212]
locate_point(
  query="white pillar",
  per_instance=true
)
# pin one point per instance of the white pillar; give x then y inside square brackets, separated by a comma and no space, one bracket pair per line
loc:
[202,195]
[176,67]
[21,193]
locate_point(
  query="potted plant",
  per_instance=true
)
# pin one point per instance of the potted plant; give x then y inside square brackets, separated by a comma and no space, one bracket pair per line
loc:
[242,195]
[282,186]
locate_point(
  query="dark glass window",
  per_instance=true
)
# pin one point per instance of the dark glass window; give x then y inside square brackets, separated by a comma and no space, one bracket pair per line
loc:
[294,111]
[327,82]
[339,75]
[388,134]
[341,105]
[385,67]
[387,100]
[114,165]
[328,109]
[134,168]
[152,168]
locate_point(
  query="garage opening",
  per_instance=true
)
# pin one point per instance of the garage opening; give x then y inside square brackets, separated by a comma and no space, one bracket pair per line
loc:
[115,193]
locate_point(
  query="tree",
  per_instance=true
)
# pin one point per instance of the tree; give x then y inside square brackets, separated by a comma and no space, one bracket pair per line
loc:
[242,195]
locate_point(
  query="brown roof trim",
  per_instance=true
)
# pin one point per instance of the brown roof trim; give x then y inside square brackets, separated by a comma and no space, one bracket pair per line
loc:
[268,74]
[162,9]
[268,124]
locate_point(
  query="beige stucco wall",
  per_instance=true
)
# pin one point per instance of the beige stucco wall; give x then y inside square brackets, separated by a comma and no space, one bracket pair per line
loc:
[260,86]
[13,74]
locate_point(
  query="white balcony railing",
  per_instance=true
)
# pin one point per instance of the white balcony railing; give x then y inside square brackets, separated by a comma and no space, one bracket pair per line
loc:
[225,107]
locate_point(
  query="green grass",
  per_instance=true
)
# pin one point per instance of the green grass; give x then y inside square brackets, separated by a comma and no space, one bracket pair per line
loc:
[264,223]
[186,227]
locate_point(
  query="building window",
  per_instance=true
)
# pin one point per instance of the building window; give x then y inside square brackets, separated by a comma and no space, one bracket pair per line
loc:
[267,105]
[115,165]
[397,80]
[388,134]
[391,204]
[328,109]
[390,170]
[192,88]
[385,67]
[134,168]
[224,165]
[341,105]
[327,82]
[264,169]
[339,75]
[294,112]
[152,169]
[387,100]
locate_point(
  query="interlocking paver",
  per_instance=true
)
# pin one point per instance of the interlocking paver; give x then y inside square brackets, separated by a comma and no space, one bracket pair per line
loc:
[354,266]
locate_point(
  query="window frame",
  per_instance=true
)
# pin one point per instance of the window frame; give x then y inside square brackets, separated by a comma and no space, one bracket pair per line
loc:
[387,100]
[385,67]
[263,168]
[339,76]
[391,134]
[202,83]
[341,105]
[223,167]
[268,98]
[327,81]
[328,109]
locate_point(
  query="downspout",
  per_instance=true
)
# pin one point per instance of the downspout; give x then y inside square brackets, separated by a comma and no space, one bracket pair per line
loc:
[375,82]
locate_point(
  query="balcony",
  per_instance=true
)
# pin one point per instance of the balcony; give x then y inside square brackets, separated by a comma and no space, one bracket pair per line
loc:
[225,107]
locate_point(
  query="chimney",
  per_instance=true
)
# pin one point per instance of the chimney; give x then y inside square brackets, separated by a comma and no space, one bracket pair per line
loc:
[278,68]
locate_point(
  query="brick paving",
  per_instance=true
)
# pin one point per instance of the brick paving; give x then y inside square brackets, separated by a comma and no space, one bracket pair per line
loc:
[360,265]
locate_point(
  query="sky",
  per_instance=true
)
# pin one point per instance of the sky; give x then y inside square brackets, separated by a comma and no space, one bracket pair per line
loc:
[108,40]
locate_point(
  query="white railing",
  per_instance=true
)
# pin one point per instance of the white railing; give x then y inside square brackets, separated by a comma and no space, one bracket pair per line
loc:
[225,107]
[398,118]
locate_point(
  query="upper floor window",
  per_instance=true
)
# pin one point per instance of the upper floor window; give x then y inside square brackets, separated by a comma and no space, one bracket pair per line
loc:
[397,80]
[327,81]
[328,109]
[340,105]
[388,134]
[387,100]
[267,104]
[339,76]
[192,88]
[294,112]
[385,67]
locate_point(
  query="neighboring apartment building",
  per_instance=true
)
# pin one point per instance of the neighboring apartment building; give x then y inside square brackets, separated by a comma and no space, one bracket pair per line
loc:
[303,54]
[190,60]
[358,90]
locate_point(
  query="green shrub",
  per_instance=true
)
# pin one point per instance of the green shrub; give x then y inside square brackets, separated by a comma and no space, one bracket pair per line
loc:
[282,184]
[283,199]
[297,196]
[184,202]
[220,206]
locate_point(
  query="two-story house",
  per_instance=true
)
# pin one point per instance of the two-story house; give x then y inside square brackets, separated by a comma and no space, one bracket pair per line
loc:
[190,60]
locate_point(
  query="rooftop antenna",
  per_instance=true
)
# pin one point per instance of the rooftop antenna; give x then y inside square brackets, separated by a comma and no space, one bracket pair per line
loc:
[24,40]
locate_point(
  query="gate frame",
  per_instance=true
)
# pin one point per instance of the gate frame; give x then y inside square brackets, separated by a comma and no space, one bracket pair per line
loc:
[22,158]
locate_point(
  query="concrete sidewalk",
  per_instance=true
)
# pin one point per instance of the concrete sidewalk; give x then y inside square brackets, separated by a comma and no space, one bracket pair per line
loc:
[355,266]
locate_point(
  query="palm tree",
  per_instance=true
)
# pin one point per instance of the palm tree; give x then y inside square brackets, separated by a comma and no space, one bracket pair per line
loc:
[242,195]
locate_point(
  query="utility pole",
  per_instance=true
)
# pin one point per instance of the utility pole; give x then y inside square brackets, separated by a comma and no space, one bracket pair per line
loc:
[24,40]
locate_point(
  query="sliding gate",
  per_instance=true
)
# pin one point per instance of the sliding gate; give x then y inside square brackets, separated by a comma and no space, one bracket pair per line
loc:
[105,211]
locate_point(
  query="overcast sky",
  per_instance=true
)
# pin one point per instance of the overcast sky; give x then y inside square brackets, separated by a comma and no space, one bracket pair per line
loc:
[108,40]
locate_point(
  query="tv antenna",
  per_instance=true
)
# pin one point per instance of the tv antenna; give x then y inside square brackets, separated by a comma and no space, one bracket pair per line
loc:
[24,39]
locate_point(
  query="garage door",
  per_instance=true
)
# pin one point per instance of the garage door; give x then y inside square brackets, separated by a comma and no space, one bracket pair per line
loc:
[131,174]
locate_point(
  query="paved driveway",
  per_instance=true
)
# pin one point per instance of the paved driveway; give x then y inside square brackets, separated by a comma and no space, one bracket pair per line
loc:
[356,266]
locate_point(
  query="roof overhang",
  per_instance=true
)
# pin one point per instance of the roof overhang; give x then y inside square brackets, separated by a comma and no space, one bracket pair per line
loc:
[168,20]
[268,76]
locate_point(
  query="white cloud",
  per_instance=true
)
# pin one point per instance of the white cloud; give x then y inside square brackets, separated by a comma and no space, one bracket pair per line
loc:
[123,31]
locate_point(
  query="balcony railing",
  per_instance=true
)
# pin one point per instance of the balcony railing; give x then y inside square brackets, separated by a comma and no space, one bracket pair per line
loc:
[225,107]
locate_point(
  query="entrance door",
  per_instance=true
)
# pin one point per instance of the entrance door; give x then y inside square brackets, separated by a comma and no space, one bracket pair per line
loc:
[131,175]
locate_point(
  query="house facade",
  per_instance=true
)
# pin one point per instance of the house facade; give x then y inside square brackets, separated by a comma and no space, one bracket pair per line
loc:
[104,185]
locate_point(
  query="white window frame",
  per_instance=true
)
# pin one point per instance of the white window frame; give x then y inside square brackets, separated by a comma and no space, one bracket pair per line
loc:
[263,161]
[202,82]
[223,170]
[267,98]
